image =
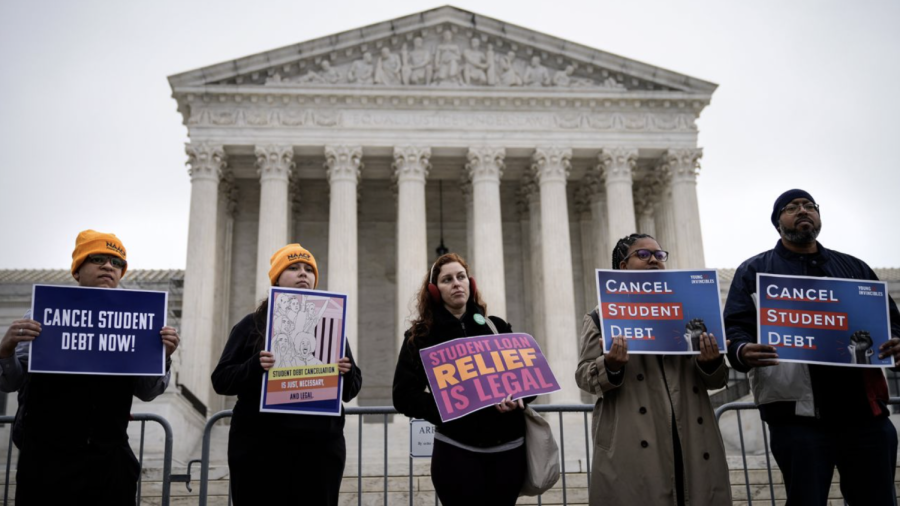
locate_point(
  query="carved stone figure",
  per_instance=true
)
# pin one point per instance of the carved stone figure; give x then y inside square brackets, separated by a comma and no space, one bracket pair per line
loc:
[388,69]
[536,74]
[274,79]
[509,76]
[475,64]
[446,61]
[362,71]
[417,64]
[329,75]
[563,79]
[611,82]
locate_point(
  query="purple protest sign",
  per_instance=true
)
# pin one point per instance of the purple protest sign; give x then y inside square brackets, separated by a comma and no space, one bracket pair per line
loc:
[472,373]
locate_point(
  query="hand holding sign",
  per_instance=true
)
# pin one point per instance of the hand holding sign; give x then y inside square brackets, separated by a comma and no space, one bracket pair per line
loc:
[758,355]
[20,331]
[170,339]
[618,354]
[890,348]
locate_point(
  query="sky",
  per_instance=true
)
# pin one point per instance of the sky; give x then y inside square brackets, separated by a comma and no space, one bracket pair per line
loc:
[90,136]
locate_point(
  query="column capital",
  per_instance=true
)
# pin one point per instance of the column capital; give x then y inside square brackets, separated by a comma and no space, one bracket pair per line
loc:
[683,165]
[645,198]
[229,191]
[485,163]
[344,163]
[617,164]
[593,182]
[551,163]
[583,199]
[465,184]
[274,162]
[411,163]
[207,161]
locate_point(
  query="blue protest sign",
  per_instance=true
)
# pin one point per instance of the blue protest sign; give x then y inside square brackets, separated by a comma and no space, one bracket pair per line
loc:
[305,333]
[824,320]
[98,331]
[660,312]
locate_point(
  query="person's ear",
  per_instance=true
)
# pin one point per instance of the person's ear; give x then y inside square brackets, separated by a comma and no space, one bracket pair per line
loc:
[622,265]
[76,275]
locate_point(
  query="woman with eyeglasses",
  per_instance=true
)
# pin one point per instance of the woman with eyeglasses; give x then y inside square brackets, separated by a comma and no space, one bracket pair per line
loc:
[479,458]
[656,440]
[280,458]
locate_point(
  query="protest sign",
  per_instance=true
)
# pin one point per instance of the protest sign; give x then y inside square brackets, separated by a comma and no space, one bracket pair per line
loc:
[98,331]
[824,320]
[305,332]
[660,312]
[472,373]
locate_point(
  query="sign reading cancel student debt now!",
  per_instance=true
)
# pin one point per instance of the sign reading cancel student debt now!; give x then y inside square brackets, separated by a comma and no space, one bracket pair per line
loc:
[473,373]
[824,320]
[98,331]
[660,312]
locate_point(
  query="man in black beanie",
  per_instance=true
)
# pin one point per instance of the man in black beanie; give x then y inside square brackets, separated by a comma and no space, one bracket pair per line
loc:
[820,417]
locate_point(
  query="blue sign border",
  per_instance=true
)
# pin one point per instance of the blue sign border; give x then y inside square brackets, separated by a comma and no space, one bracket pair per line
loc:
[47,332]
[321,408]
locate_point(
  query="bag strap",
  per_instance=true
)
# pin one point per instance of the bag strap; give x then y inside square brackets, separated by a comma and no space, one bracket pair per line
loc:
[490,324]
[595,315]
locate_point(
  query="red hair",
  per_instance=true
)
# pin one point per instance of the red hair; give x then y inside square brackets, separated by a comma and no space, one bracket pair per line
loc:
[425,304]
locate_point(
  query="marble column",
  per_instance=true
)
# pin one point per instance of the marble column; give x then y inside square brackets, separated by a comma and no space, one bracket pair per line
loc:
[644,208]
[587,230]
[618,166]
[665,216]
[536,286]
[527,324]
[599,210]
[411,166]
[207,162]
[683,167]
[485,167]
[228,199]
[344,166]
[551,168]
[274,165]
[465,186]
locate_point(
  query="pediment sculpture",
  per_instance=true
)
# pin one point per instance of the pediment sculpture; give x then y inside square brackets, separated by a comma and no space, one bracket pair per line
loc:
[443,61]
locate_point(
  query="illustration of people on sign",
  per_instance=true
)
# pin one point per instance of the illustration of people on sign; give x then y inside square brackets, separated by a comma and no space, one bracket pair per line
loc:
[295,320]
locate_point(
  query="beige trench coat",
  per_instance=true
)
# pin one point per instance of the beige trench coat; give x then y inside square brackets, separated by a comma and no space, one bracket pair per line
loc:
[633,460]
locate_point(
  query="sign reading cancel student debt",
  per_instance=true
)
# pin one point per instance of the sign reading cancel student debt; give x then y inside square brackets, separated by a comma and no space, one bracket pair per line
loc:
[98,331]
[305,332]
[473,373]
[824,320]
[660,312]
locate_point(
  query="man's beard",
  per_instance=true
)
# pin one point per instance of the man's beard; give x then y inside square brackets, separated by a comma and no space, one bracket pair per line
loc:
[797,236]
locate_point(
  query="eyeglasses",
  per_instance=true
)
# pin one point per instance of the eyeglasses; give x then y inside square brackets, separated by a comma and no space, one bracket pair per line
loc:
[645,254]
[795,208]
[116,262]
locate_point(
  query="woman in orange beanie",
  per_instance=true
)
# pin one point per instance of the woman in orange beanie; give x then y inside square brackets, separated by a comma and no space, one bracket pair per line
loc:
[308,463]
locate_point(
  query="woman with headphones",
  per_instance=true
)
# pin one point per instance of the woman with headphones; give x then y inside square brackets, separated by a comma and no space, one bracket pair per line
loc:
[278,457]
[656,440]
[479,458]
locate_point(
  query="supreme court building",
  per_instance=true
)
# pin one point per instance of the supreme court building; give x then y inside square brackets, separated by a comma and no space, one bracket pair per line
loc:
[527,154]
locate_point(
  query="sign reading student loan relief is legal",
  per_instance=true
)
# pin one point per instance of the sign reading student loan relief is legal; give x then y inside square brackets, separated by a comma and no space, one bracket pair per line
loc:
[472,373]
[824,320]
[660,312]
[98,331]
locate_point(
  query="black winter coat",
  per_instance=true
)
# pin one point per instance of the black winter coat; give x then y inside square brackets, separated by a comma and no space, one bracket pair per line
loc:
[484,428]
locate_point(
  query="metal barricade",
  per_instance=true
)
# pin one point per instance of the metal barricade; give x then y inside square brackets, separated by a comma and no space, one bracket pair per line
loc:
[385,411]
[143,418]
[737,407]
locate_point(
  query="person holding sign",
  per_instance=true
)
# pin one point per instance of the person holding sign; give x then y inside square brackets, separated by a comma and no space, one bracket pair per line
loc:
[820,417]
[71,429]
[656,440]
[279,458]
[479,458]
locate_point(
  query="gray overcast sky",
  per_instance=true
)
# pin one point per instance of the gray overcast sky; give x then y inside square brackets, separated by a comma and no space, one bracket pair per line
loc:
[90,138]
